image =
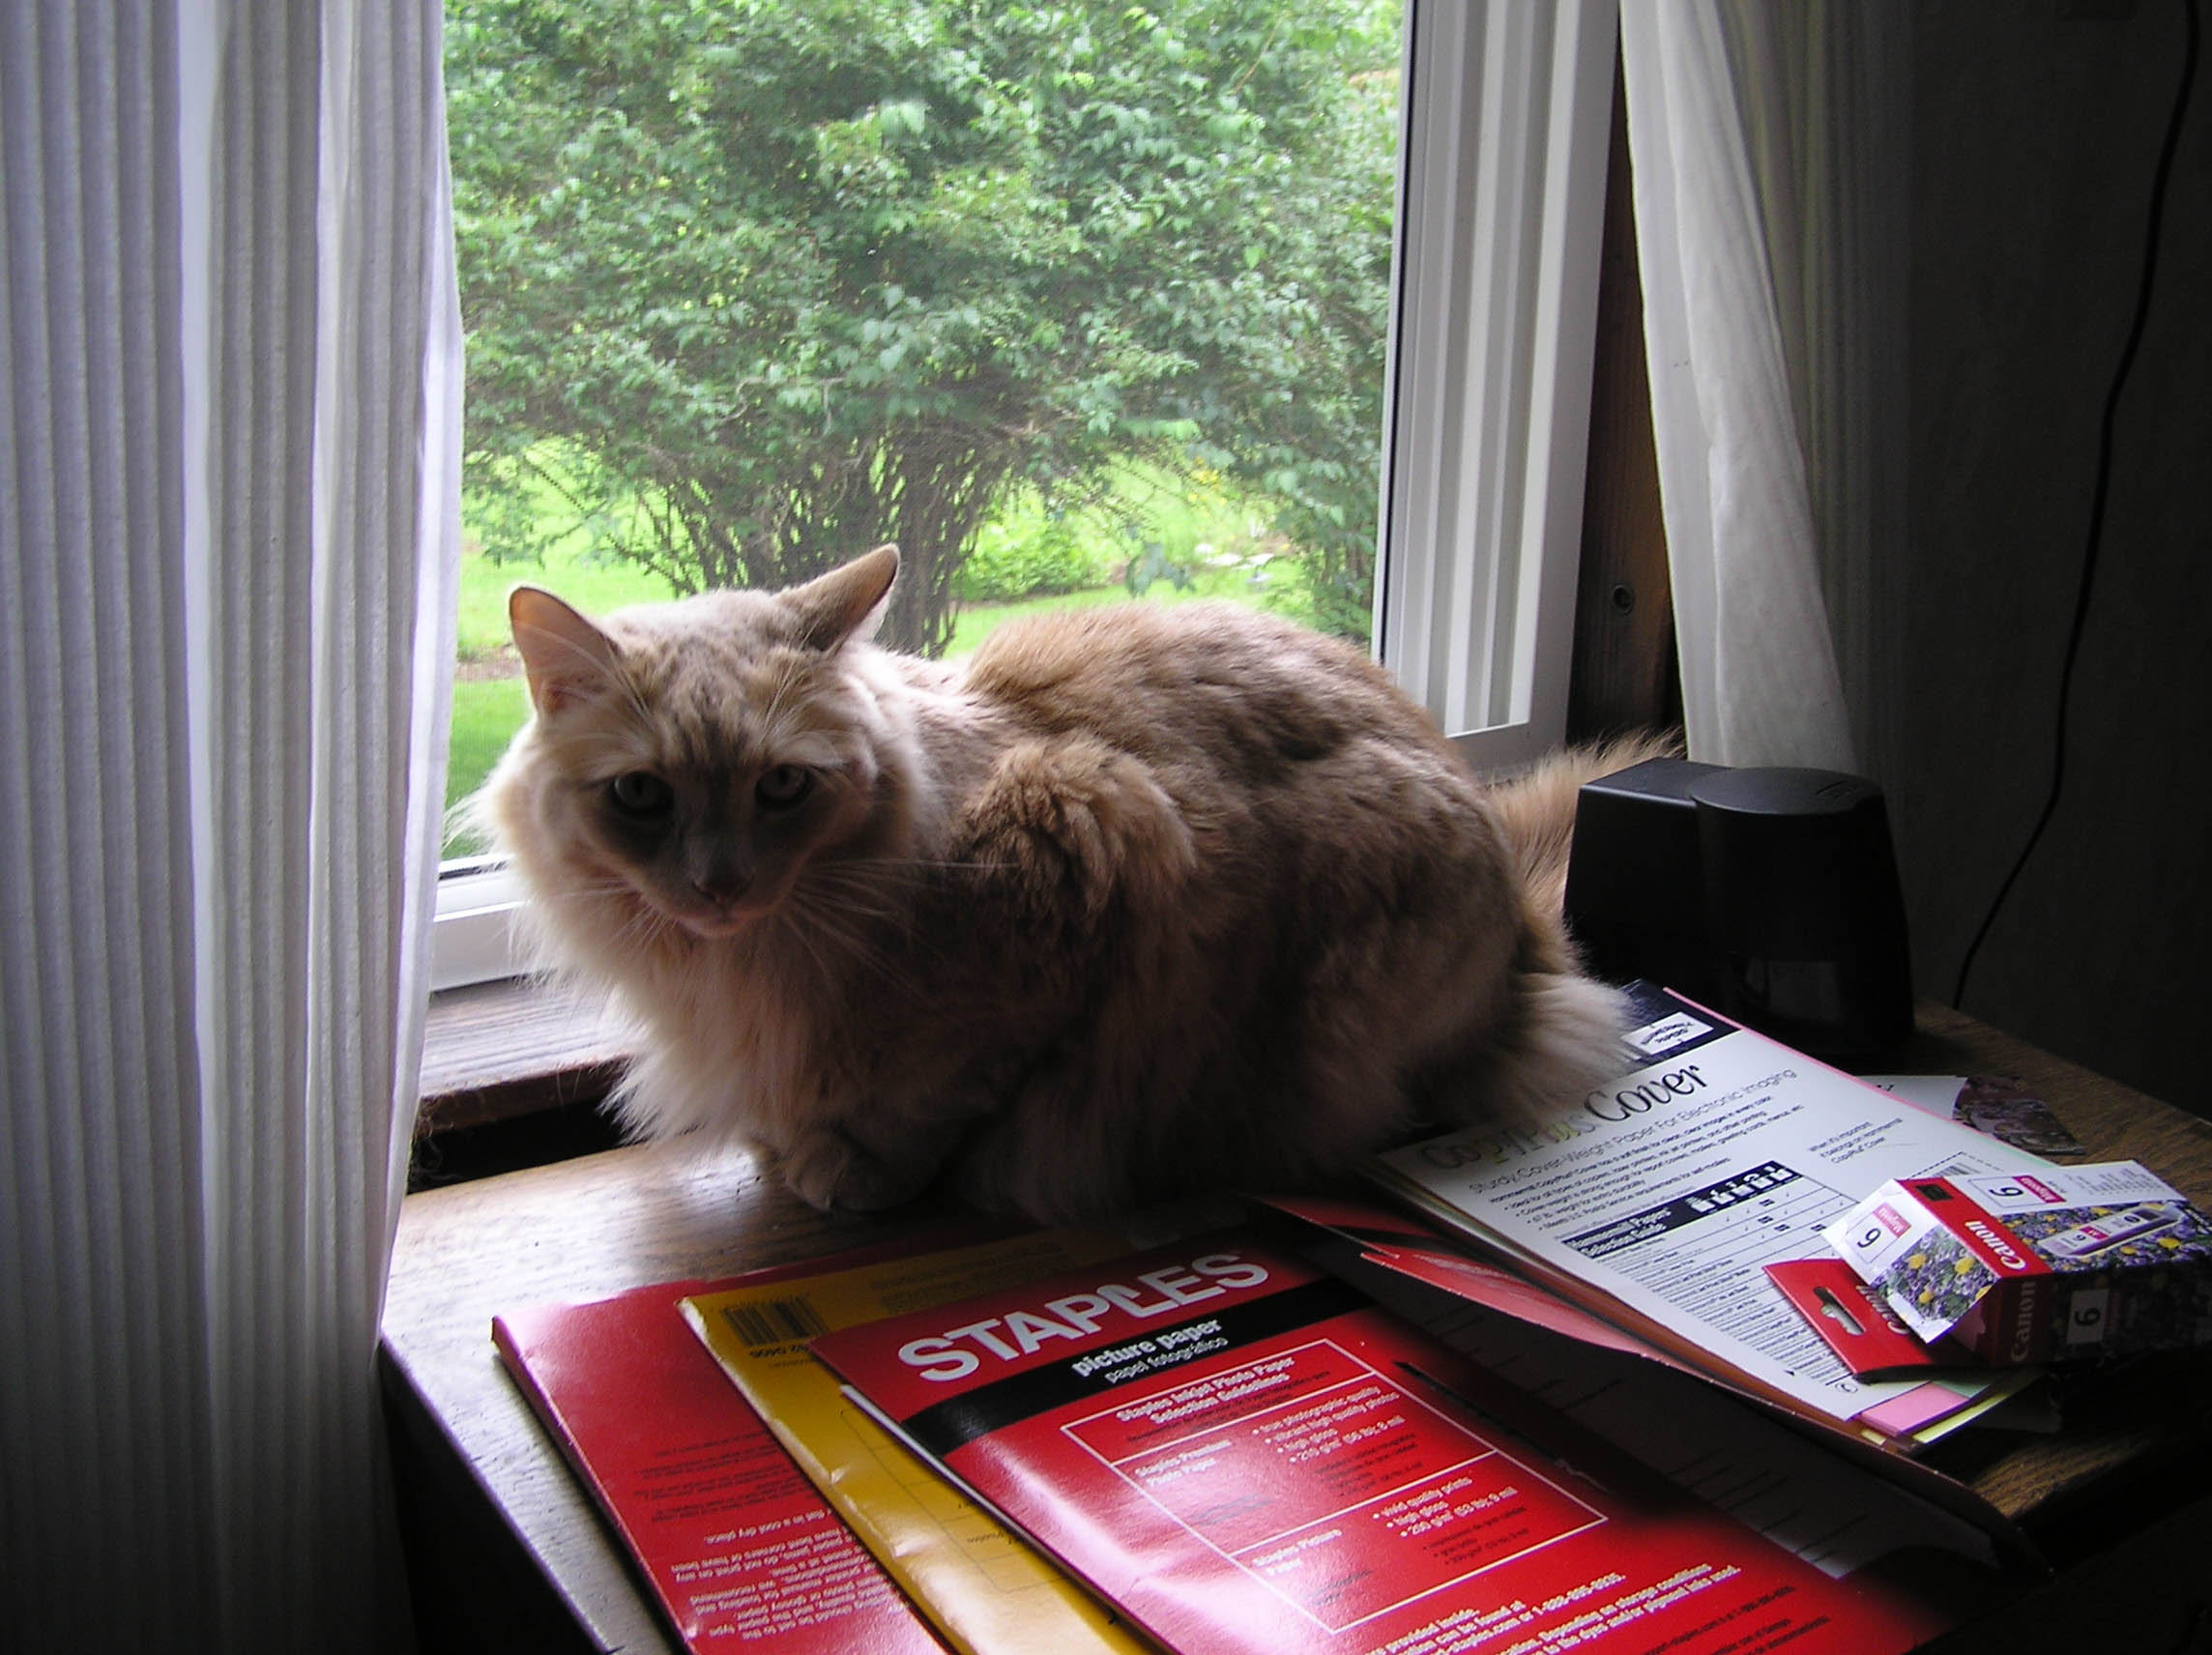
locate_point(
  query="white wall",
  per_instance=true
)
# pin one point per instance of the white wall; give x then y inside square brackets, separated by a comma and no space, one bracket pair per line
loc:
[2035,134]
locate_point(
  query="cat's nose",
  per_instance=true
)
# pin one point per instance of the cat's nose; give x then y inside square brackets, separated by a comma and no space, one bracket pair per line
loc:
[723,888]
[719,878]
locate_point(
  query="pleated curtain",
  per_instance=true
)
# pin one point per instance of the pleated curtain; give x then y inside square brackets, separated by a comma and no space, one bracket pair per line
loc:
[228,534]
[1769,146]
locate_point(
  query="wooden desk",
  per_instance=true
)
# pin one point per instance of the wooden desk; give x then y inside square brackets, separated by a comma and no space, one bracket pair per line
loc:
[506,1552]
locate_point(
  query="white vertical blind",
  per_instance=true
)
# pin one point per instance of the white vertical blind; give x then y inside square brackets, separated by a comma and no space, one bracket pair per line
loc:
[251,202]
[105,1435]
[231,518]
[1501,209]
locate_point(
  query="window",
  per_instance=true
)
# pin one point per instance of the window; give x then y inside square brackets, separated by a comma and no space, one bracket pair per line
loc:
[1502,216]
[1478,380]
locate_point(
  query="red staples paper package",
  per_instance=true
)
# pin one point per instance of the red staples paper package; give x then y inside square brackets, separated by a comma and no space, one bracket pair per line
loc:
[1247,1455]
[738,1548]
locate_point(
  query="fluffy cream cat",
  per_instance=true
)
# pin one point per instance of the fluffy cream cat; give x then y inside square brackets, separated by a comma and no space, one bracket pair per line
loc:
[1135,901]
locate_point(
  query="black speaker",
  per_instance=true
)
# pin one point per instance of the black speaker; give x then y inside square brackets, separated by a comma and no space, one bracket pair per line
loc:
[1770,894]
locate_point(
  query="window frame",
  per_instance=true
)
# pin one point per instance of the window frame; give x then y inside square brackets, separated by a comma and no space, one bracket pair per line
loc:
[1492,349]
[1487,399]
[473,936]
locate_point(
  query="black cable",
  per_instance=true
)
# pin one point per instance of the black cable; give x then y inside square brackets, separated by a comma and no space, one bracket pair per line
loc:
[2102,489]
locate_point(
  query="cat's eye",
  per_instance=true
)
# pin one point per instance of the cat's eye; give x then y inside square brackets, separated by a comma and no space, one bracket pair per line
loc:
[640,793]
[784,786]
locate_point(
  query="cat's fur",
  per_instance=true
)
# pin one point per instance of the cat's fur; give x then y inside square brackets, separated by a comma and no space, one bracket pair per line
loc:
[1137,900]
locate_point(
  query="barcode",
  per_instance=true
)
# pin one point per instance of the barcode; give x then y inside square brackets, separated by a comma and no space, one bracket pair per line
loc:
[774,1322]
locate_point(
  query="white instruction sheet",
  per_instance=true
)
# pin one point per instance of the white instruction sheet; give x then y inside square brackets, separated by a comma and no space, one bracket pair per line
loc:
[1671,1188]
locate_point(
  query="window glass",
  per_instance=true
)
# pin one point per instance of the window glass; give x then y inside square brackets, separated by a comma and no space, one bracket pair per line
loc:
[1079,302]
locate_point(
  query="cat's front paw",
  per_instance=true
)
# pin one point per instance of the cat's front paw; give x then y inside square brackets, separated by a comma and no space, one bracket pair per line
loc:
[831,1172]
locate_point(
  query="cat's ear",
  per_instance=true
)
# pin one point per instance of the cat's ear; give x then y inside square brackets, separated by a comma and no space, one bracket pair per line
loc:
[848,601]
[565,657]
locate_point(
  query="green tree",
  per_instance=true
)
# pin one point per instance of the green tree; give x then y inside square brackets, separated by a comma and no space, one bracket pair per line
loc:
[758,284]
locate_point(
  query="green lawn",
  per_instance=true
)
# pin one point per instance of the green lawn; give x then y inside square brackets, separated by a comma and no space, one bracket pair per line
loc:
[486,714]
[489,702]
[593,586]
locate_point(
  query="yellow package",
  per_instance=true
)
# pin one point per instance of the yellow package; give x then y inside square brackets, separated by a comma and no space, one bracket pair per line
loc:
[985,1588]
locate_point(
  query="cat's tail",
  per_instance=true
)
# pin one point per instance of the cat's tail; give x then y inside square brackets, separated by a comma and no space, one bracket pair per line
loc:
[1563,1027]
[1536,809]
[1561,1036]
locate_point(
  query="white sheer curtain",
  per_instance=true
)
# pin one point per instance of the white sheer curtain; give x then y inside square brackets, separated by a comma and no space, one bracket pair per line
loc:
[1767,140]
[228,513]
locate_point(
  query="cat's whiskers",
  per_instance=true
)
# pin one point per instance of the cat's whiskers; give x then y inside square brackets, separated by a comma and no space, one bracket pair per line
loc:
[860,901]
[849,886]
[841,934]
[810,943]
[906,862]
[786,681]
[646,926]
[629,921]
[839,912]
[601,883]
[915,867]
[815,938]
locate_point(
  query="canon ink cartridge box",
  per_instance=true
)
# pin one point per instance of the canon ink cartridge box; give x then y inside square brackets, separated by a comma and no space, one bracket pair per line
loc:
[2075,1261]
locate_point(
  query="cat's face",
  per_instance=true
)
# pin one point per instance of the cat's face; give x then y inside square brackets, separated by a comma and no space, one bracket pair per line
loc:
[692,758]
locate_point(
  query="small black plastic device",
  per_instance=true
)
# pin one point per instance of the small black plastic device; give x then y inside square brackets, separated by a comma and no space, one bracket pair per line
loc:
[1770,894]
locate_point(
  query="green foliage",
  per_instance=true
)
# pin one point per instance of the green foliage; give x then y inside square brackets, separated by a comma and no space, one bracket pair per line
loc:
[752,285]
[1024,551]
